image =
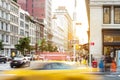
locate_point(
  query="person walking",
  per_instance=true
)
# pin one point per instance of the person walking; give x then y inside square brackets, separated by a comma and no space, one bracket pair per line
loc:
[101,66]
[113,66]
[108,61]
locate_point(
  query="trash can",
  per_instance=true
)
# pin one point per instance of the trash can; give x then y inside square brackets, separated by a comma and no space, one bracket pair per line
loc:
[94,64]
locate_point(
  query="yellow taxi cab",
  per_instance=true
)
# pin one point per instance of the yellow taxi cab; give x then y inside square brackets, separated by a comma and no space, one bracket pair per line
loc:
[61,73]
[21,74]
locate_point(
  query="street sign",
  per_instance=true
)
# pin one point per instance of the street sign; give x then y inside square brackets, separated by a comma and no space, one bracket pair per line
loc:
[74,41]
[92,43]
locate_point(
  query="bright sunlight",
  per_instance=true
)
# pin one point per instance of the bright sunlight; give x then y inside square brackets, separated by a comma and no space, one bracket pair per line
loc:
[81,31]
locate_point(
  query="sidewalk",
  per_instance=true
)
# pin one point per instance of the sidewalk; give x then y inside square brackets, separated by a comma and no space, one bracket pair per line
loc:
[97,69]
[118,69]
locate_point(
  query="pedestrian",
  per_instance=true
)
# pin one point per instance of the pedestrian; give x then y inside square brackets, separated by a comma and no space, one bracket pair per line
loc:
[113,66]
[13,55]
[108,61]
[101,66]
[84,62]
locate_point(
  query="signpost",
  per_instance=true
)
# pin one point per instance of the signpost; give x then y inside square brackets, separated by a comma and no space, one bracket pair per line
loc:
[74,41]
[90,55]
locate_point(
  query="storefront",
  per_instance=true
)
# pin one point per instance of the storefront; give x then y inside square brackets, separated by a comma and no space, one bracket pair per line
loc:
[111,43]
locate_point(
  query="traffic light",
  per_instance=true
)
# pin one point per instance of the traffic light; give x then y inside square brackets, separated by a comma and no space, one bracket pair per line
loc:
[77,47]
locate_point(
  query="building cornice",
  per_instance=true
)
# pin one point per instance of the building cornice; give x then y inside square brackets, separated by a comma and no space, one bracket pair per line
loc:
[104,2]
[13,2]
[110,26]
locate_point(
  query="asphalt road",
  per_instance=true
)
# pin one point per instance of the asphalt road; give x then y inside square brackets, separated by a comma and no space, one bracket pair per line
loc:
[102,75]
[4,66]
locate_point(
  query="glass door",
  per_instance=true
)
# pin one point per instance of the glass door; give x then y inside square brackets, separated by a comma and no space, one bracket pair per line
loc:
[118,58]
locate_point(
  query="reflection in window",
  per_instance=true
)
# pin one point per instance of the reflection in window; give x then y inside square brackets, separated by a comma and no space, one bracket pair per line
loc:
[22,32]
[108,38]
[21,23]
[111,38]
[27,26]
[3,37]
[21,15]
[117,14]
[107,49]
[7,38]
[106,14]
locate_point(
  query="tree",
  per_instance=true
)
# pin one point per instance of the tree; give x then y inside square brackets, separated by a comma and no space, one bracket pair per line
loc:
[55,49]
[23,45]
[47,46]
[43,45]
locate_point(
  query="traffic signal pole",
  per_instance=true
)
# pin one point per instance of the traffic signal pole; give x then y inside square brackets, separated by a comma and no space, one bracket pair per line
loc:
[74,52]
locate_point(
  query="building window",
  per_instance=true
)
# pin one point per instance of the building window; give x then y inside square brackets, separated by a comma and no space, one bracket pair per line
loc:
[7,38]
[2,37]
[6,27]
[11,40]
[117,14]
[22,32]
[16,29]
[26,34]
[6,15]
[21,23]
[106,14]
[2,25]
[2,14]
[27,26]
[21,15]
[11,28]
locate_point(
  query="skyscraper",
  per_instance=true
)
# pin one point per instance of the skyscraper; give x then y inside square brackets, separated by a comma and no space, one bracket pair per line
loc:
[41,10]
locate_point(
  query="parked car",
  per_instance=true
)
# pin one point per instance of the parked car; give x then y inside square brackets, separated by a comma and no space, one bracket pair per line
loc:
[8,58]
[19,61]
[28,56]
[3,59]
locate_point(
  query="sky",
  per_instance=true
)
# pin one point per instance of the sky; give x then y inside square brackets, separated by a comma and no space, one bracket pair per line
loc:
[81,15]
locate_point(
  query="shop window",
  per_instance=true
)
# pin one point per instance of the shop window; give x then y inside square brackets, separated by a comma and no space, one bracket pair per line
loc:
[111,38]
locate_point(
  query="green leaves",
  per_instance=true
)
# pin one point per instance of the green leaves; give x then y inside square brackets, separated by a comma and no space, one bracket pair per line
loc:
[23,45]
[47,46]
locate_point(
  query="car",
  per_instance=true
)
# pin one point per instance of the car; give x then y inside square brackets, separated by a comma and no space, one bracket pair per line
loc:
[52,65]
[28,56]
[19,61]
[35,57]
[21,74]
[3,59]
[8,58]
